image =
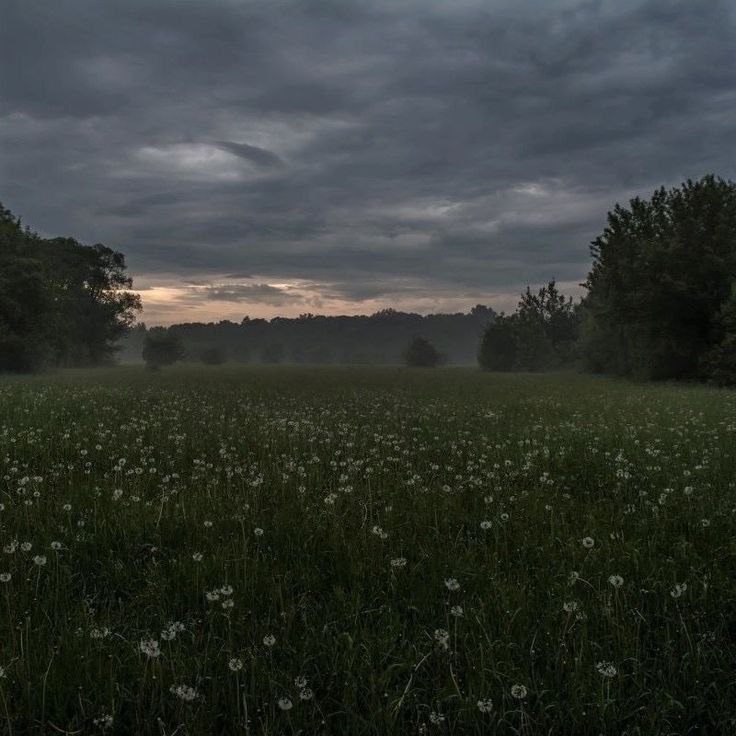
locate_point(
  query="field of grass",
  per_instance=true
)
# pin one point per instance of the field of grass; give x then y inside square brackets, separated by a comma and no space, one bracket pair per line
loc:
[365,551]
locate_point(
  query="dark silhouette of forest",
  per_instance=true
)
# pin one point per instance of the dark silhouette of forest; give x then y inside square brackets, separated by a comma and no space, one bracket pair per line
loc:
[371,339]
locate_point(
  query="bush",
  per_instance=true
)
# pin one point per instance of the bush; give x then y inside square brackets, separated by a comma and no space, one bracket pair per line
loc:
[498,348]
[162,347]
[420,353]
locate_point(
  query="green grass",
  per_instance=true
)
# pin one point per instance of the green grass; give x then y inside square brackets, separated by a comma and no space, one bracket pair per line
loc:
[345,470]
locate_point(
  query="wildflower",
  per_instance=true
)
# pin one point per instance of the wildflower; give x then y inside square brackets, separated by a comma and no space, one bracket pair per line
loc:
[606,669]
[588,542]
[197,556]
[504,516]
[10,548]
[457,611]
[212,595]
[172,629]
[442,637]
[678,590]
[258,531]
[229,603]
[56,546]
[398,562]
[104,721]
[518,691]
[616,580]
[485,706]
[235,664]
[306,693]
[149,647]
[436,718]
[39,560]
[269,640]
[208,524]
[5,577]
[96,633]
[485,525]
[184,692]
[705,523]
[573,577]
[226,590]
[285,704]
[26,546]
[452,584]
[300,681]
[67,507]
[2,672]
[330,498]
[570,606]
[378,531]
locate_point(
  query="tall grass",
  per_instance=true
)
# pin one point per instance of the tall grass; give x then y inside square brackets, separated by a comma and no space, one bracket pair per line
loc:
[367,551]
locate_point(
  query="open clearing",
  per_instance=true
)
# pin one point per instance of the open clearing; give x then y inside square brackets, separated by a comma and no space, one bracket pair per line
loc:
[365,551]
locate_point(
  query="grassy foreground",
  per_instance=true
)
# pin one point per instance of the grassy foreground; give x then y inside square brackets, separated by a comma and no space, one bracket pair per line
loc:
[365,551]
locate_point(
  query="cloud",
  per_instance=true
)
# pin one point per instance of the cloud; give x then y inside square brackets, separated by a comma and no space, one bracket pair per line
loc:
[391,150]
[258,156]
[249,294]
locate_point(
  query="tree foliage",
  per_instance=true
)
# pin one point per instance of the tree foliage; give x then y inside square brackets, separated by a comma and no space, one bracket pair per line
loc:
[420,353]
[162,347]
[659,301]
[498,349]
[61,302]
[540,335]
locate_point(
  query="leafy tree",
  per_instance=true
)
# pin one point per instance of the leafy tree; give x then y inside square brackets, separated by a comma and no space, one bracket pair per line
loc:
[162,347]
[718,365]
[420,353]
[540,335]
[662,271]
[61,302]
[499,349]
[547,329]
[26,302]
[213,356]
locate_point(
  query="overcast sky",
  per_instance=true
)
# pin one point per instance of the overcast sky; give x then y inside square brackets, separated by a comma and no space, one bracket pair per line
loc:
[340,156]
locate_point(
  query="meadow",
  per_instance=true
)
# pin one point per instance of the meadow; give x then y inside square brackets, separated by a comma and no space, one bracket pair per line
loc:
[365,551]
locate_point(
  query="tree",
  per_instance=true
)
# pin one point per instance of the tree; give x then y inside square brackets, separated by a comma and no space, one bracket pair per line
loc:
[61,302]
[420,353]
[498,349]
[162,347]
[662,271]
[213,356]
[547,329]
[540,335]
[718,365]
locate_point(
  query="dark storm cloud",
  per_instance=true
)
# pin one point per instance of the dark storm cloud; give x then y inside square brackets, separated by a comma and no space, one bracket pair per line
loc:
[258,156]
[369,148]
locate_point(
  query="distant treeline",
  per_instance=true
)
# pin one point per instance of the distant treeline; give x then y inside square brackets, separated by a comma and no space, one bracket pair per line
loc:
[373,339]
[61,303]
[660,303]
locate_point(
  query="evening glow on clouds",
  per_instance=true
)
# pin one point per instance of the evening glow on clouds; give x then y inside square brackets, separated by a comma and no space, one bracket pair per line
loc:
[275,158]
